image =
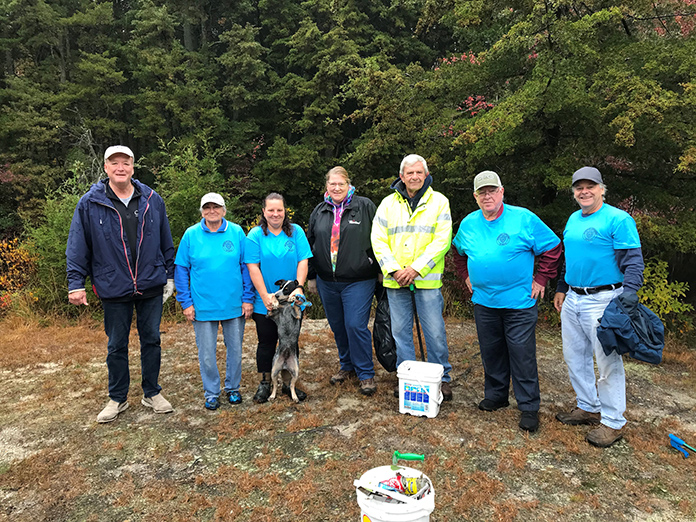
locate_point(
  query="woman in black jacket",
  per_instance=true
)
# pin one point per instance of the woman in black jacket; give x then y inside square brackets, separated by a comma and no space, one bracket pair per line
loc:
[346,272]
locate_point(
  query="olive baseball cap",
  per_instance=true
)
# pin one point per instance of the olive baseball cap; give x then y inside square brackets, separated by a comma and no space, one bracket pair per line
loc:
[487,178]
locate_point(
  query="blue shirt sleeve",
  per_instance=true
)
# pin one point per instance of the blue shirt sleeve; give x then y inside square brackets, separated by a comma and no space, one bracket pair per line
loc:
[625,233]
[301,243]
[458,240]
[181,281]
[248,286]
[252,250]
[182,273]
[544,238]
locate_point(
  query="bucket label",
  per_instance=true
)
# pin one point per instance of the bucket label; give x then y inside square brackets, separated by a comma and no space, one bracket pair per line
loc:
[366,519]
[416,397]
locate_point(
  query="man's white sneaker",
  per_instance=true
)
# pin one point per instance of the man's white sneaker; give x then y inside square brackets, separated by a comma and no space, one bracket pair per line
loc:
[158,403]
[111,411]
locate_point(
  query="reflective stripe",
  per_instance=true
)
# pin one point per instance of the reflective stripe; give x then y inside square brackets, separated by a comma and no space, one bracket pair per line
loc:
[386,260]
[430,277]
[381,221]
[444,217]
[431,264]
[411,229]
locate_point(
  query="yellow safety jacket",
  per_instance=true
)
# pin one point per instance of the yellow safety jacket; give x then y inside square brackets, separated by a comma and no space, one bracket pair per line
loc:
[420,238]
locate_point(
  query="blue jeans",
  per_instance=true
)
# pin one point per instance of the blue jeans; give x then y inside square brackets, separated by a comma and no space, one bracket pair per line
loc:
[607,395]
[347,307]
[117,324]
[206,340]
[508,350]
[429,304]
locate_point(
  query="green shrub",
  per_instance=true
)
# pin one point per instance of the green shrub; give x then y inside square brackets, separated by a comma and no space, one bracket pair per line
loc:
[188,175]
[664,297]
[47,241]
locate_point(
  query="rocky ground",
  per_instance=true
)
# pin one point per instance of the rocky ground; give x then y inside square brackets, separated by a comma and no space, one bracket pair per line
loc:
[283,461]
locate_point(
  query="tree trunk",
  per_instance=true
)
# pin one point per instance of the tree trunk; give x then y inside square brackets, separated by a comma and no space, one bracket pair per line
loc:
[188,36]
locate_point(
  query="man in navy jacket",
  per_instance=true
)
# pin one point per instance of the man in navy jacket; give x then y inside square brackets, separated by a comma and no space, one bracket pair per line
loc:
[120,238]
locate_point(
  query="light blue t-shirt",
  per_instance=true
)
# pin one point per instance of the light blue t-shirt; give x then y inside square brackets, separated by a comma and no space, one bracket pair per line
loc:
[277,257]
[501,255]
[590,242]
[210,272]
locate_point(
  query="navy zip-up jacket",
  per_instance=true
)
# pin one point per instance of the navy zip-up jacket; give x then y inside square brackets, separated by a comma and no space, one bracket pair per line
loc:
[642,335]
[98,246]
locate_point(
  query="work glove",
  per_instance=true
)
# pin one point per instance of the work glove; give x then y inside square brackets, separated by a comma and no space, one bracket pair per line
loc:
[168,290]
[629,301]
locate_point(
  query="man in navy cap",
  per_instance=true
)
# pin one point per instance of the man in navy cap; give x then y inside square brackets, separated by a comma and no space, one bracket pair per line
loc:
[120,238]
[603,261]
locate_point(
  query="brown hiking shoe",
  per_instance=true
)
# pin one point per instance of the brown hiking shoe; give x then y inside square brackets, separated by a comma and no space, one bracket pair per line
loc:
[341,376]
[368,387]
[578,416]
[446,390]
[604,436]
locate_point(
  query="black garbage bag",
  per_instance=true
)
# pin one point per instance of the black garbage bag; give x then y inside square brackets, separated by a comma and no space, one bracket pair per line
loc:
[382,338]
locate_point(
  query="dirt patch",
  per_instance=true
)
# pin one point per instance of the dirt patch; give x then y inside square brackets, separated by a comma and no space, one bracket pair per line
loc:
[283,461]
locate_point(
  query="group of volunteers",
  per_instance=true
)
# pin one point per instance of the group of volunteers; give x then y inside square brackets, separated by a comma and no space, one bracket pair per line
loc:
[506,255]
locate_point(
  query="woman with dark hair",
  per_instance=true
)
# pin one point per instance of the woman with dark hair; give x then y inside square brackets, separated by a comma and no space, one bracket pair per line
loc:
[275,249]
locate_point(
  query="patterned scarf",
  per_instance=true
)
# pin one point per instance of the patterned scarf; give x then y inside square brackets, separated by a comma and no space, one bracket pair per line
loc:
[338,209]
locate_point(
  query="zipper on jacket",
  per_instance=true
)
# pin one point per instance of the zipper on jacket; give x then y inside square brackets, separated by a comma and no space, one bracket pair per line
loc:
[142,234]
[123,242]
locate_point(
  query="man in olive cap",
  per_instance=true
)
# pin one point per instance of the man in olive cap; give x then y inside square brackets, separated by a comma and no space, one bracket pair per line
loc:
[501,243]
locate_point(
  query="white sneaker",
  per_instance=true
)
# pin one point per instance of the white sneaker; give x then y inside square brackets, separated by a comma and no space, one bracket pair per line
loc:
[158,403]
[111,411]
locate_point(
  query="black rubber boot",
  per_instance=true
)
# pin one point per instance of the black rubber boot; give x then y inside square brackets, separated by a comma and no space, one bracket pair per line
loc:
[264,390]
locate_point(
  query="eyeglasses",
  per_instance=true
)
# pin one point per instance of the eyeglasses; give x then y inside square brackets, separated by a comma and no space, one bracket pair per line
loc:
[487,191]
[211,206]
[337,185]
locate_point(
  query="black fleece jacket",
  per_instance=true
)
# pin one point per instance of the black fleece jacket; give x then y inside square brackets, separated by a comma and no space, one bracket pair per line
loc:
[356,261]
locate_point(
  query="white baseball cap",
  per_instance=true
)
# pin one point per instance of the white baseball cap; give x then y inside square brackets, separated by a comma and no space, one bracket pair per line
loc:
[212,197]
[118,149]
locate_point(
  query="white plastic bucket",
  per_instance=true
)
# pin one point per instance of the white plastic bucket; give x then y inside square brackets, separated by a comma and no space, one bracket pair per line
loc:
[372,510]
[419,388]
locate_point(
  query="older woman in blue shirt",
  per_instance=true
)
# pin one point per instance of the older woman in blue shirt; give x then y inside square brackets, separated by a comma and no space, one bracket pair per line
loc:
[214,288]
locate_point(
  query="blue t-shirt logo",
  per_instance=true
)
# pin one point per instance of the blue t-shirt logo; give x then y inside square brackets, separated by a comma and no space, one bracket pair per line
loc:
[589,234]
[503,239]
[290,245]
[228,246]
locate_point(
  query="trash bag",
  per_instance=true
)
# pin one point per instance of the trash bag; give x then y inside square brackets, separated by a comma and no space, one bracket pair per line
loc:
[382,338]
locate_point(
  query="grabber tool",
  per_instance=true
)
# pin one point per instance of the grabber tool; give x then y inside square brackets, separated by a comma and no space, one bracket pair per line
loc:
[405,456]
[679,444]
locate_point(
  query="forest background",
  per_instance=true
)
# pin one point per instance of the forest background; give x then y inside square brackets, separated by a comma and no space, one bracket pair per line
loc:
[252,96]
